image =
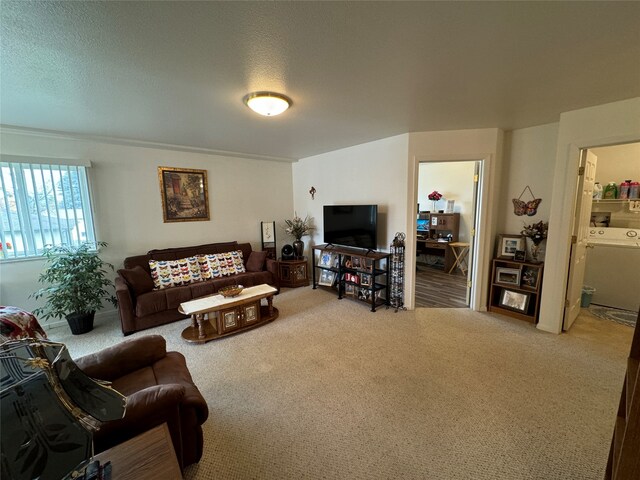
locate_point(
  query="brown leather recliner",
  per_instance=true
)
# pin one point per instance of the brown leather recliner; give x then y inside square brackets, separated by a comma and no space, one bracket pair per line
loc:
[159,389]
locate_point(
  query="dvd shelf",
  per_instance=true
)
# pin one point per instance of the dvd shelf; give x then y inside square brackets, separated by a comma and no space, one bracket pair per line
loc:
[355,273]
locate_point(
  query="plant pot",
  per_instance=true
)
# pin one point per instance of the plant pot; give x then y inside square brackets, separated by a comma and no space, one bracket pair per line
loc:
[298,248]
[80,323]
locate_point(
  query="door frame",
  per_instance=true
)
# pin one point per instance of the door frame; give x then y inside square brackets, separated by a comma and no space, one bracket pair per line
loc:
[563,205]
[481,241]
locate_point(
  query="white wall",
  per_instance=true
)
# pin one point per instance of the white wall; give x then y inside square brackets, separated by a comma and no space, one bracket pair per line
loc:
[530,155]
[617,163]
[128,211]
[608,124]
[454,180]
[371,173]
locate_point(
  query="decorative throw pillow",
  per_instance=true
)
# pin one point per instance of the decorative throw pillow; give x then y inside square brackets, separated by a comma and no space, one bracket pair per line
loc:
[231,262]
[209,266]
[165,273]
[222,264]
[190,270]
[138,279]
[174,273]
[256,260]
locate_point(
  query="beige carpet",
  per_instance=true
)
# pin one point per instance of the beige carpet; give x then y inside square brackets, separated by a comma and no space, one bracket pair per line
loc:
[332,391]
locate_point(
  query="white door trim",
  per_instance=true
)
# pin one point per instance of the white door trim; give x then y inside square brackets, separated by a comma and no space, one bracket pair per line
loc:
[482,240]
[557,256]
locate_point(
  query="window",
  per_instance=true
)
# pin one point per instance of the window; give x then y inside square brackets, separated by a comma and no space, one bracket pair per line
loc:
[42,204]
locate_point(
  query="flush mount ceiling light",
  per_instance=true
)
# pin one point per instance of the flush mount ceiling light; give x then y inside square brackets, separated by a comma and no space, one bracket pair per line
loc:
[268,104]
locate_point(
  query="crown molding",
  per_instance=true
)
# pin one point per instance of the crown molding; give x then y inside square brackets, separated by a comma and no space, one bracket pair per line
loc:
[35,132]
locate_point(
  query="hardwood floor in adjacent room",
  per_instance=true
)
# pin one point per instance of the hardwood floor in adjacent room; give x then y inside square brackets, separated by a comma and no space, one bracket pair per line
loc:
[437,289]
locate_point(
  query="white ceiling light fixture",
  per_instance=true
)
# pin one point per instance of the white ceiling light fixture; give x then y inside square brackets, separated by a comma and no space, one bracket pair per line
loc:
[268,104]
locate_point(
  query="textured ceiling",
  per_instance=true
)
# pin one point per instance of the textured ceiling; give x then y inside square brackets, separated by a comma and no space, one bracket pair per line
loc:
[176,72]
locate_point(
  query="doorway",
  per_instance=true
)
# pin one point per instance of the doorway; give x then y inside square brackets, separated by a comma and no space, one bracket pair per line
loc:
[447,200]
[605,249]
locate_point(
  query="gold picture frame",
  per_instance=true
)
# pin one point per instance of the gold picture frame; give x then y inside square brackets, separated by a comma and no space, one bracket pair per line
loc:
[184,194]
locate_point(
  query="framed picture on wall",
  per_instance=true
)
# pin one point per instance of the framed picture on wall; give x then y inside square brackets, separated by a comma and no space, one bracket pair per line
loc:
[509,244]
[184,194]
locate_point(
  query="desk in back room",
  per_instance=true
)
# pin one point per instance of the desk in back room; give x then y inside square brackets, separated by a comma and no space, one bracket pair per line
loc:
[433,247]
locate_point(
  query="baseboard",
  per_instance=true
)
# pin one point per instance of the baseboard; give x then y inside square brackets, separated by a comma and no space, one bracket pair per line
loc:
[101,316]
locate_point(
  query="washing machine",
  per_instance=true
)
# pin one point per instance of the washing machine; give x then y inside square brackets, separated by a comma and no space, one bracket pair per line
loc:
[613,267]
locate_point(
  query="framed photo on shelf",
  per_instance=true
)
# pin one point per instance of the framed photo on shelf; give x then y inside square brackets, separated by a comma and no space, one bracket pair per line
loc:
[364,294]
[349,289]
[508,245]
[350,277]
[520,256]
[530,277]
[355,262]
[327,277]
[335,260]
[325,259]
[508,276]
[516,301]
[365,279]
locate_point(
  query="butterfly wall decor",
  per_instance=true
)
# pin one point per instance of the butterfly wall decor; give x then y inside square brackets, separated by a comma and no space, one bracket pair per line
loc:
[530,208]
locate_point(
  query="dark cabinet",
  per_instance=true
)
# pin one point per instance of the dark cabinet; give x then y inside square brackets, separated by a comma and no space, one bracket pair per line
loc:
[293,273]
[237,317]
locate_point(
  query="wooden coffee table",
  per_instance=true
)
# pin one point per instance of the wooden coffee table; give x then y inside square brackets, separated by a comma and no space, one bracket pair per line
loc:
[229,315]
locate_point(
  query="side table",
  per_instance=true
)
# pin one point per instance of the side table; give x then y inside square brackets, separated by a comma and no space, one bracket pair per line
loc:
[460,255]
[293,273]
[148,456]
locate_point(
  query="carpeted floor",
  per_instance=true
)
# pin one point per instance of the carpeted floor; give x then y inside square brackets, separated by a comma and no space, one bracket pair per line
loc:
[332,391]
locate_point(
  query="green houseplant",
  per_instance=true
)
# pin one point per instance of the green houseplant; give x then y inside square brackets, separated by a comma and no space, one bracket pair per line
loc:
[77,285]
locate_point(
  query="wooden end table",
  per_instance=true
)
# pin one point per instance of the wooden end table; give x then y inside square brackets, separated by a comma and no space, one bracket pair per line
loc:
[293,273]
[232,315]
[148,456]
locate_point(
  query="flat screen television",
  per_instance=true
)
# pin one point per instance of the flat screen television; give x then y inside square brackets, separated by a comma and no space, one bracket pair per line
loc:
[351,225]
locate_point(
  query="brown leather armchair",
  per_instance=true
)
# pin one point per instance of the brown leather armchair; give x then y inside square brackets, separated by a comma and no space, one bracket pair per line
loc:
[159,389]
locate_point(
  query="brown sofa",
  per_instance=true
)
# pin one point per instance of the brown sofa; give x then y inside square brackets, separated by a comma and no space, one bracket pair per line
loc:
[142,307]
[159,389]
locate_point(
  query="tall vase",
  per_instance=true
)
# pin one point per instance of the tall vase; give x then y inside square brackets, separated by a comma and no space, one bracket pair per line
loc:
[298,247]
[534,250]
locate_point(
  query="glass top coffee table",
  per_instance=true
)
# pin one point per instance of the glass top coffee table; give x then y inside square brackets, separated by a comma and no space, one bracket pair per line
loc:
[215,316]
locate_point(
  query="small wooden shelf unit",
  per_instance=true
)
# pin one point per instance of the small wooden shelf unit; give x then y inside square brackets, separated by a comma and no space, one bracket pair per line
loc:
[529,283]
[355,273]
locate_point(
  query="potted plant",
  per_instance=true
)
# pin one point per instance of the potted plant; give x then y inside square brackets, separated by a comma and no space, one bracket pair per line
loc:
[298,228]
[77,285]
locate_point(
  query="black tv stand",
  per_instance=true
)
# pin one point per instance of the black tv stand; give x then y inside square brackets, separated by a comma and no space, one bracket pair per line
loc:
[357,274]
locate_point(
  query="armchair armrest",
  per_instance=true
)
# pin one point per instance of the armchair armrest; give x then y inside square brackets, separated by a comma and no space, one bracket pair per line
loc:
[118,360]
[125,306]
[146,409]
[272,266]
